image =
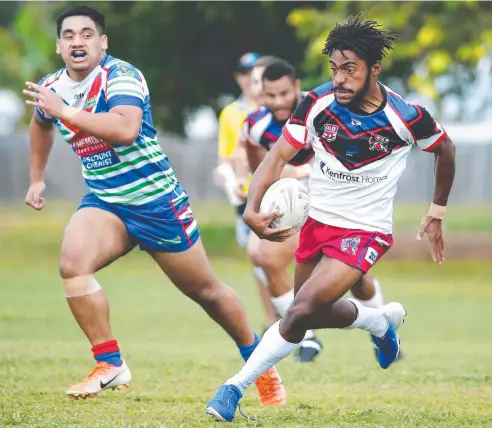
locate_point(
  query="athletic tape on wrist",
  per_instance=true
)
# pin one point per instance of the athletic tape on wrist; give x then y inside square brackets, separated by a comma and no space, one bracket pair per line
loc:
[437,211]
[80,286]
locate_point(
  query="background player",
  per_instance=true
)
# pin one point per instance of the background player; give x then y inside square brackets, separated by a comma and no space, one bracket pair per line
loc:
[281,92]
[101,106]
[351,198]
[231,120]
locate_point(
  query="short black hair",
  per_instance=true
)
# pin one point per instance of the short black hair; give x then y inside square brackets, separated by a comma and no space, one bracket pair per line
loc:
[90,12]
[362,37]
[278,69]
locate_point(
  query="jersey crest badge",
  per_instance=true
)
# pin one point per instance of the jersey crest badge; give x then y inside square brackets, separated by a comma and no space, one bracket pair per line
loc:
[378,143]
[330,133]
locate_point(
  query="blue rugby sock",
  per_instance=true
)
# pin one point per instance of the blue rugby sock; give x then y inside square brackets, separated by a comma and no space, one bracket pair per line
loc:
[246,351]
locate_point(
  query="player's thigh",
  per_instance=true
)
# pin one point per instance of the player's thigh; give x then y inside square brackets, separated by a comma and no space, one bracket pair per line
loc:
[93,238]
[275,255]
[328,282]
[189,271]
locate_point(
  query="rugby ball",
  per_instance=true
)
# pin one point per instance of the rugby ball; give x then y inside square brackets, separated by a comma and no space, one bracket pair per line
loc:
[290,198]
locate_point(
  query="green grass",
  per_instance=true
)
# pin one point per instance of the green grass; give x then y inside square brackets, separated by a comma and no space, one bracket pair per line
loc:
[178,357]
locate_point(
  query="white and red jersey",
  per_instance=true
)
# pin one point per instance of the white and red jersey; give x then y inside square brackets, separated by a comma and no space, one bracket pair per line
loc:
[358,157]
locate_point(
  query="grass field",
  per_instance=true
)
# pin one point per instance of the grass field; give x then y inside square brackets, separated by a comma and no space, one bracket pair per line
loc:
[178,357]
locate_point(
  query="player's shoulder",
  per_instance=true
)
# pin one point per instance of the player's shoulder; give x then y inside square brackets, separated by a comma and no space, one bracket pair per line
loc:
[405,109]
[321,91]
[116,67]
[51,78]
[257,115]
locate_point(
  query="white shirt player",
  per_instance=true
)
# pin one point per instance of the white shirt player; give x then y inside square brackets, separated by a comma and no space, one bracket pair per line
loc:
[358,158]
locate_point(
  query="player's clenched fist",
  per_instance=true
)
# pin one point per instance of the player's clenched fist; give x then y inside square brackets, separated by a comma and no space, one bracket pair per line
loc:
[34,197]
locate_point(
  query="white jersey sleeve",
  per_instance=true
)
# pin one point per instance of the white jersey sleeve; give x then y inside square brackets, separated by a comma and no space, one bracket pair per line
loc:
[426,131]
[125,86]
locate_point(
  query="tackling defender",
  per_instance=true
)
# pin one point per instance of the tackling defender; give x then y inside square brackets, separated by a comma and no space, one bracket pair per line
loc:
[101,106]
[362,133]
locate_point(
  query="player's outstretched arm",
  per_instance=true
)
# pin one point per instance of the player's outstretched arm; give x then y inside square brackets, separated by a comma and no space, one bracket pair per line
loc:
[41,135]
[120,125]
[444,176]
[444,170]
[267,173]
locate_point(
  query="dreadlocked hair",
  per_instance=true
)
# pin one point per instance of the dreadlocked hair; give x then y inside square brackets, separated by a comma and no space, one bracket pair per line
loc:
[364,38]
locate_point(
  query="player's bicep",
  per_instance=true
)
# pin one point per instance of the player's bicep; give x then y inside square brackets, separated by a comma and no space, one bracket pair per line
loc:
[132,116]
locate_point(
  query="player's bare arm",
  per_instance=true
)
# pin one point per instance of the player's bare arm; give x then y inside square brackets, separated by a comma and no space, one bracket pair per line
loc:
[41,135]
[267,173]
[120,125]
[255,155]
[432,222]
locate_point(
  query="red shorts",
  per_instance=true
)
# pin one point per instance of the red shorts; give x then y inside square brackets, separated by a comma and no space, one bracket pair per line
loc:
[358,248]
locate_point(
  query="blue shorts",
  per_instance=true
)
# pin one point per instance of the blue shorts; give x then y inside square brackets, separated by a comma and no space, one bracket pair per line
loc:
[166,224]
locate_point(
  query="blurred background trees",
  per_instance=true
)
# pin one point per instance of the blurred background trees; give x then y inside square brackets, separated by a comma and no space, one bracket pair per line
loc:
[188,50]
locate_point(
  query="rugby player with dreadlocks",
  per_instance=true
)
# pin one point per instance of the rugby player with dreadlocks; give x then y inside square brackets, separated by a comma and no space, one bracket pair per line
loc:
[361,132]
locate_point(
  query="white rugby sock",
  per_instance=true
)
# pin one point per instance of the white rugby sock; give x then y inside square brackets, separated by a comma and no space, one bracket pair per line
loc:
[377,300]
[272,348]
[369,319]
[282,303]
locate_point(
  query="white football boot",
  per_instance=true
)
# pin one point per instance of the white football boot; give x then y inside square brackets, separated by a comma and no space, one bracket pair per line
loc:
[103,376]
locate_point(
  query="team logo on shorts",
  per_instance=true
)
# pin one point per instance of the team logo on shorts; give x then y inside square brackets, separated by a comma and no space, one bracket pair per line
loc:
[330,133]
[350,245]
[378,143]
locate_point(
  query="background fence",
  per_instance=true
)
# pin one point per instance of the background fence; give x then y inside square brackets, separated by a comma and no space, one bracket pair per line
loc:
[194,161]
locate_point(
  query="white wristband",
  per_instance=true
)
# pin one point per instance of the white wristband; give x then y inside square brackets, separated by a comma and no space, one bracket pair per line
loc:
[436,211]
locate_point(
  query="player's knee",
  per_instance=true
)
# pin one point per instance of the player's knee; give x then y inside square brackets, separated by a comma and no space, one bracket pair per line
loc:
[208,292]
[267,260]
[298,315]
[71,266]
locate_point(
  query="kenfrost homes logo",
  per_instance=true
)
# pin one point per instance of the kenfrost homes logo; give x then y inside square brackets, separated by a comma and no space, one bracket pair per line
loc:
[378,143]
[344,177]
